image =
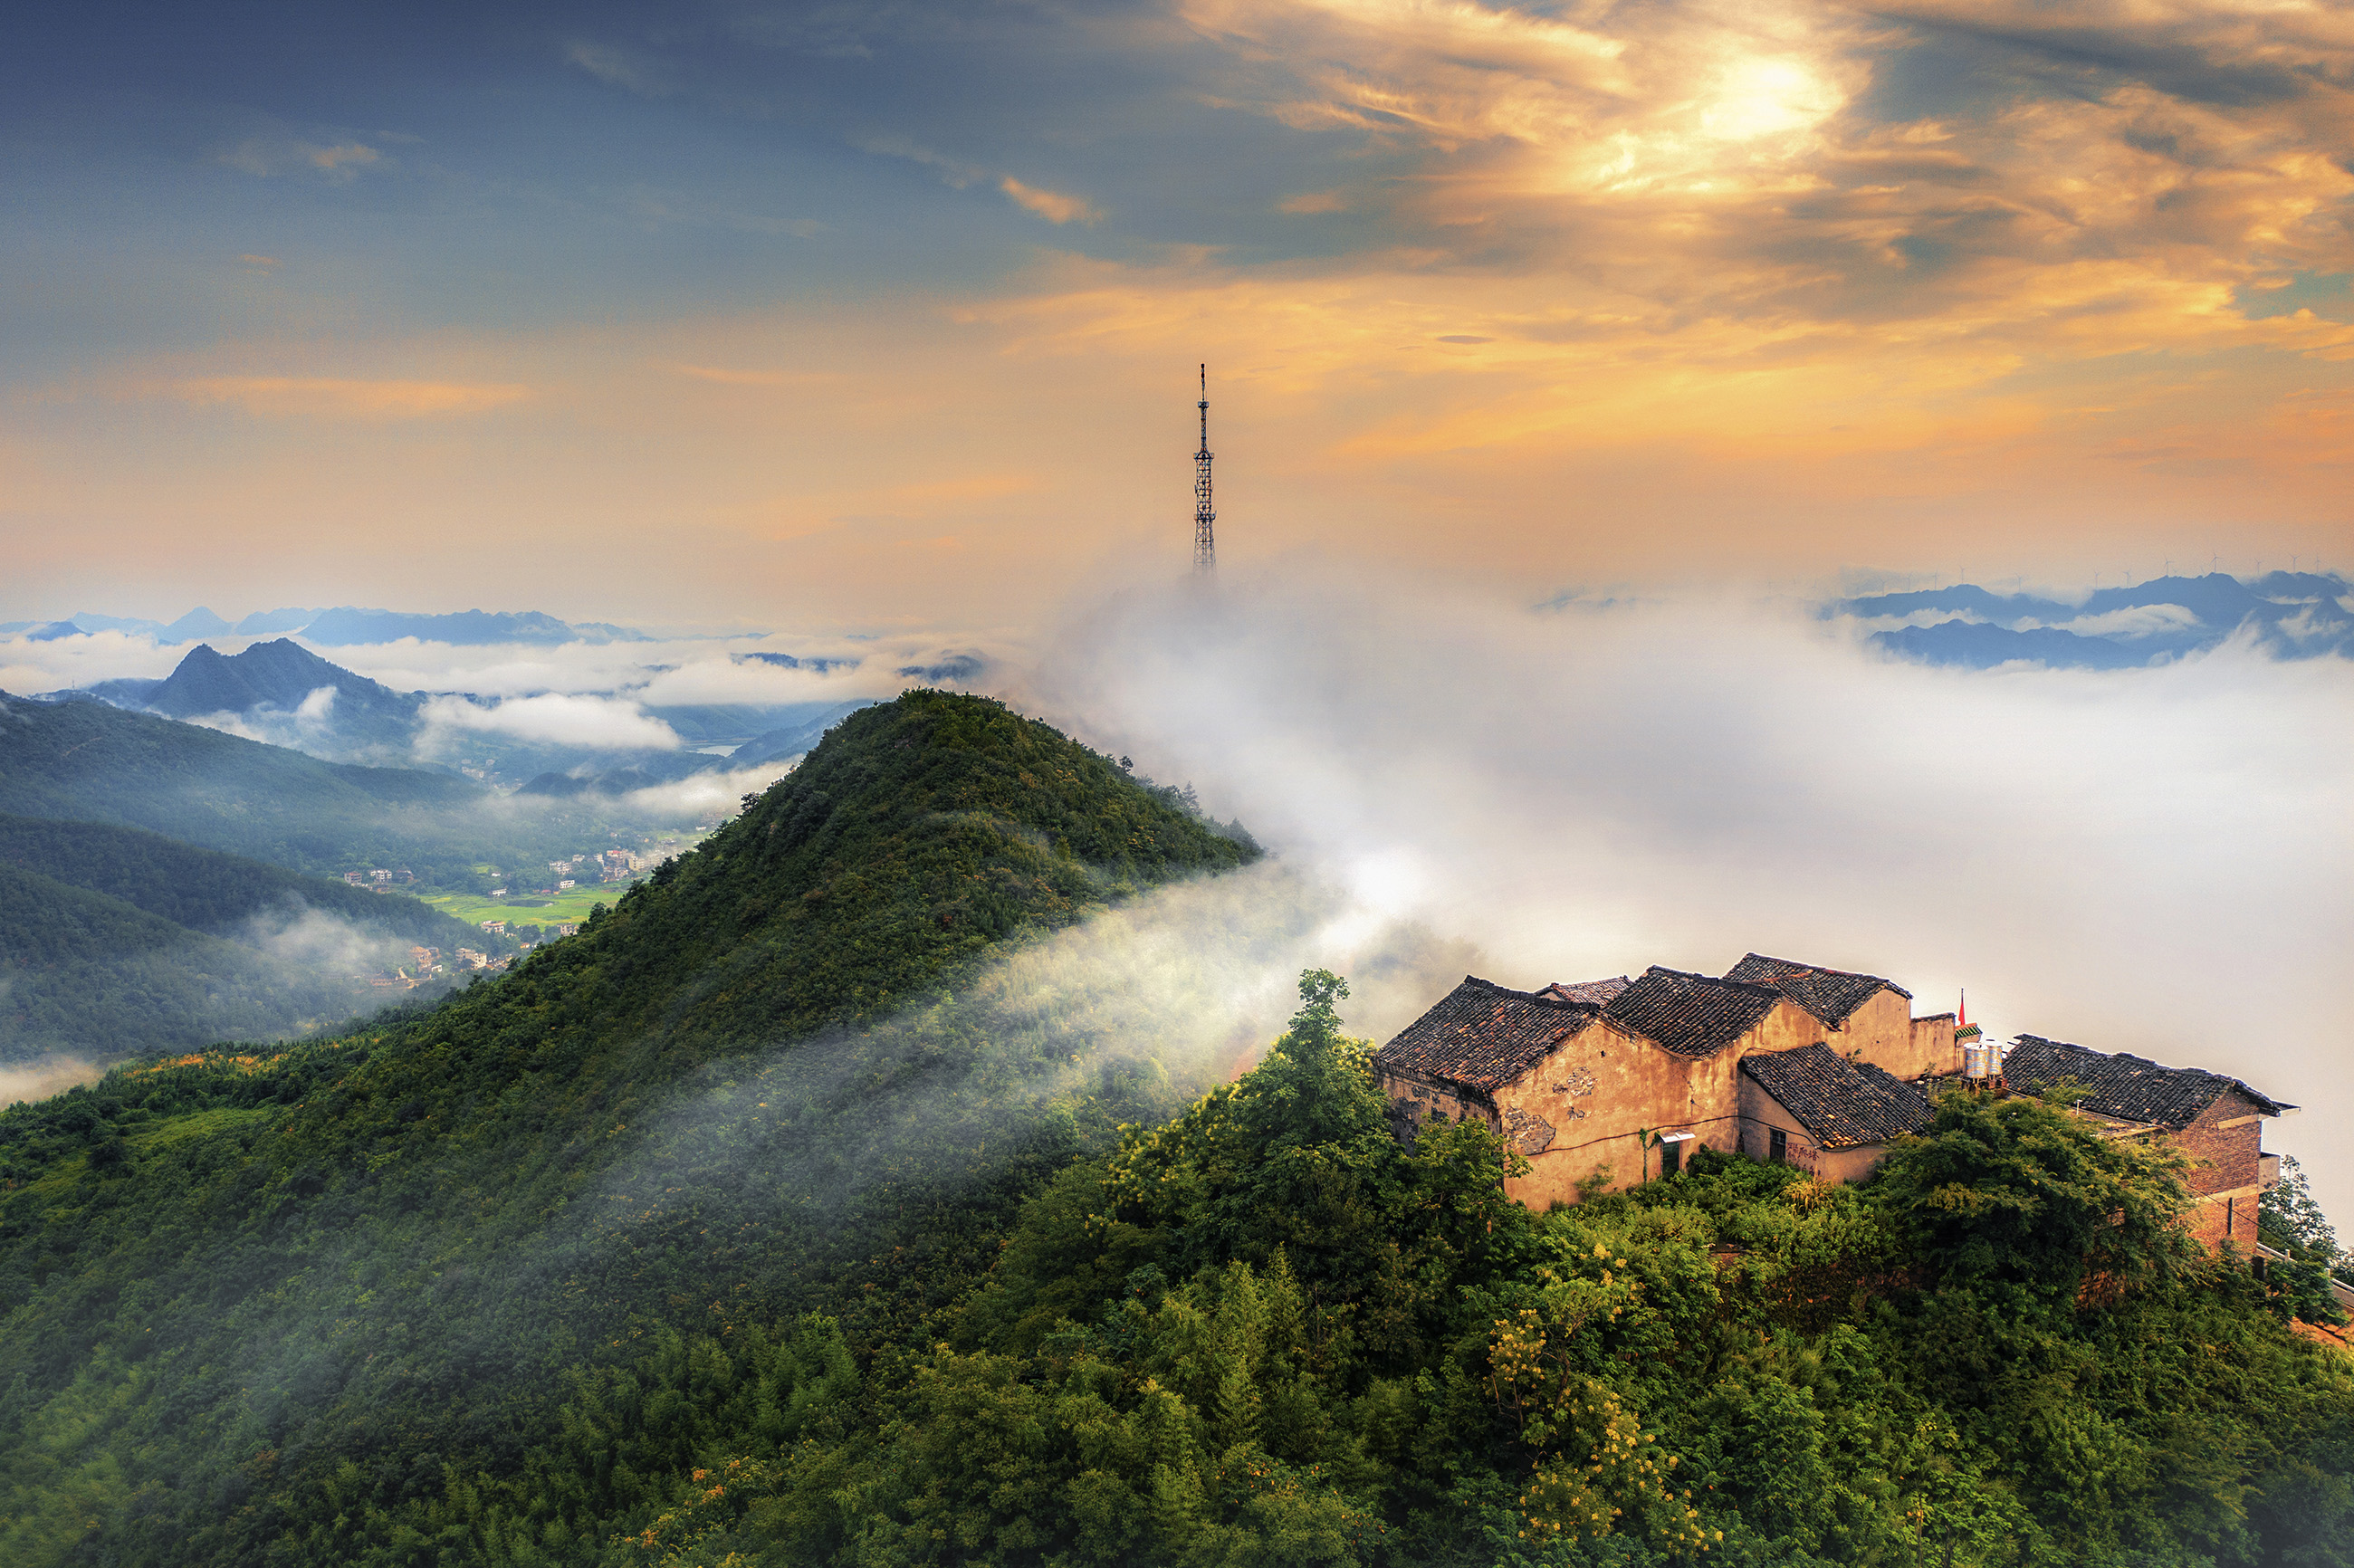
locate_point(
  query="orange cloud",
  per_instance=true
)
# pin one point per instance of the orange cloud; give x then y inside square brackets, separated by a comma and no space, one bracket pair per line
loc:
[1052,206]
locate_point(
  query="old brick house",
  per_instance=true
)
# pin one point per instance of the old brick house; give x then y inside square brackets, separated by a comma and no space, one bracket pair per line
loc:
[1619,1080]
[1583,1076]
[2218,1121]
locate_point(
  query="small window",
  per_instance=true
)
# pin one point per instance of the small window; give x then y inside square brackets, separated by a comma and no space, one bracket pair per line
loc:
[1672,1159]
[1779,1150]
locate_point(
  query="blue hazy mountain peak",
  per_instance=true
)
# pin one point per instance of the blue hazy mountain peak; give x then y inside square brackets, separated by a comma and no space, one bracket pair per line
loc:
[344,626]
[2290,615]
[197,623]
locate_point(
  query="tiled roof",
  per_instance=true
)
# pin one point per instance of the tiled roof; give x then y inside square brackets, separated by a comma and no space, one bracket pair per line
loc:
[1484,1036]
[1841,1104]
[1596,992]
[1692,1015]
[1829,994]
[2123,1086]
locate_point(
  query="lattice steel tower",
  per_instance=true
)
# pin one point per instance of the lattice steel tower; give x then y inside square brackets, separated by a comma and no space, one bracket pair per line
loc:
[1206,543]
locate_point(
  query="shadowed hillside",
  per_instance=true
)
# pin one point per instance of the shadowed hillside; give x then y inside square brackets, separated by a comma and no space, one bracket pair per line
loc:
[116,942]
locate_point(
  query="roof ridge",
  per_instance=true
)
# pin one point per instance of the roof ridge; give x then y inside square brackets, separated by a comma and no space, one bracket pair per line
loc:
[1773,991]
[2201,1076]
[1540,998]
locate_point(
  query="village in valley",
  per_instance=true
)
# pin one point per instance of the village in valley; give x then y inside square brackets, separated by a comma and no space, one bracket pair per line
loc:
[519,912]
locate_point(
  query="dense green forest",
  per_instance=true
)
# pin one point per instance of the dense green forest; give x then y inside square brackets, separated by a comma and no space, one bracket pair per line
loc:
[116,942]
[84,761]
[781,1216]
[207,890]
[84,974]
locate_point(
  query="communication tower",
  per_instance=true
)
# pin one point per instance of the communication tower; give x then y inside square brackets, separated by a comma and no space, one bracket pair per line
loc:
[1206,543]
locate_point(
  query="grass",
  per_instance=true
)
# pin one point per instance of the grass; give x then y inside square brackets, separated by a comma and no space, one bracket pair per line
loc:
[573,905]
[161,1135]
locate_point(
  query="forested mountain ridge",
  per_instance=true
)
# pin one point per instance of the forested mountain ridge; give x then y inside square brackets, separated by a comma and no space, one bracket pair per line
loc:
[384,1254]
[92,976]
[205,890]
[741,1229]
[88,761]
[116,942]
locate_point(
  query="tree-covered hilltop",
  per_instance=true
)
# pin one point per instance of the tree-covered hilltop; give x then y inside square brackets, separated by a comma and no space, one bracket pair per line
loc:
[1265,1333]
[782,1074]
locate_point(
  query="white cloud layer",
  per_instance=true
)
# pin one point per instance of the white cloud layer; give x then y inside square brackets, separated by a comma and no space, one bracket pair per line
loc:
[603,723]
[2156,860]
[704,795]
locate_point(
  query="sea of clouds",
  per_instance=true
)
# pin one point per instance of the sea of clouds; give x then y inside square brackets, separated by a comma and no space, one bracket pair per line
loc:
[2156,860]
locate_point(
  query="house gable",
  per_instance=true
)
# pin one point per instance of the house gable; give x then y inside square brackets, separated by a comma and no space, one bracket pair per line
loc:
[1839,1103]
[1481,1036]
[1830,995]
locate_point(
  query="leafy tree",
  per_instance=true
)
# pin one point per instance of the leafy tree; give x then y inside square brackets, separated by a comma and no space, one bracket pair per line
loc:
[2016,1195]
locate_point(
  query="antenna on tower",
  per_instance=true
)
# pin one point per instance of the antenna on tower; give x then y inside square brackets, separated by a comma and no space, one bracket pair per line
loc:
[1206,543]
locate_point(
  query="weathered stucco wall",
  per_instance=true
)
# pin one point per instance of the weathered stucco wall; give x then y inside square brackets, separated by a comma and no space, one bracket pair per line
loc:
[1932,1048]
[1886,1033]
[1420,1102]
[1761,1113]
[1787,1028]
[1581,1109]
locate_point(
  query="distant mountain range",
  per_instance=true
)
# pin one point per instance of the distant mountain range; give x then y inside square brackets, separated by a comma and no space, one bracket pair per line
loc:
[88,761]
[342,626]
[2291,614]
[281,693]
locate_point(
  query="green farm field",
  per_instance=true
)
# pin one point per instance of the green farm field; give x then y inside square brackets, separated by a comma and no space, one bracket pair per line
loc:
[536,908]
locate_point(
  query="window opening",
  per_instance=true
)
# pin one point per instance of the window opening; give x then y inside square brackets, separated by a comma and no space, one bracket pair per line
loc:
[1779,1153]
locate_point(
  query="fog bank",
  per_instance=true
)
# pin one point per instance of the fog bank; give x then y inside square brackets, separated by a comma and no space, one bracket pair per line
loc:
[2155,861]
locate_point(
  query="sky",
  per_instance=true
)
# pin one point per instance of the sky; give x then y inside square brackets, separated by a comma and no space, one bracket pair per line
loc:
[848,317]
[1560,357]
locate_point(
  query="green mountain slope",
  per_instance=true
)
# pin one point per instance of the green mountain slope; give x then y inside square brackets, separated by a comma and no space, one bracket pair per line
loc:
[382,1256]
[112,944]
[85,761]
[787,1216]
[83,974]
[203,889]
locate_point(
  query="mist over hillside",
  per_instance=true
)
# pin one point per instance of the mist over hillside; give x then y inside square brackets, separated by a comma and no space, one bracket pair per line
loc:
[1585,790]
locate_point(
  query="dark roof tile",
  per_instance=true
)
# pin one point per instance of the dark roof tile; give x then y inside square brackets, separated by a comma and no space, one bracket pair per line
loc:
[1596,992]
[1690,1015]
[1841,1103]
[1483,1036]
[1829,994]
[2123,1086]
